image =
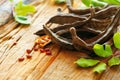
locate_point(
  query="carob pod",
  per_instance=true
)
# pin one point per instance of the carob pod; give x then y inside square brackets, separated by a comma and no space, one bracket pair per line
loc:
[58,40]
[64,18]
[79,11]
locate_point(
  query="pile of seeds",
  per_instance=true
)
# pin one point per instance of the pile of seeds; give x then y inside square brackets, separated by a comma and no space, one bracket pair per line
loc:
[39,45]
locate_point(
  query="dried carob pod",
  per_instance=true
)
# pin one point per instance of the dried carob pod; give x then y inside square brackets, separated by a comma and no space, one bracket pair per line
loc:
[58,40]
[64,18]
[79,11]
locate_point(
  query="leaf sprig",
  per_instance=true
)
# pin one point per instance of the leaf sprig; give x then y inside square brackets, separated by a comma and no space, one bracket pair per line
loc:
[104,51]
[22,11]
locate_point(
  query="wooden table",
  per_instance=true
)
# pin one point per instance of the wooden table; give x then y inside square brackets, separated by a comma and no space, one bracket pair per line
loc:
[58,66]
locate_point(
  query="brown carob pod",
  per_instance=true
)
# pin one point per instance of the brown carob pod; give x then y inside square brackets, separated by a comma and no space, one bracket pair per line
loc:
[79,11]
[58,40]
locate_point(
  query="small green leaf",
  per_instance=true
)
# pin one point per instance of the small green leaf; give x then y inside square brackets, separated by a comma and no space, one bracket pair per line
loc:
[100,68]
[82,62]
[23,10]
[116,40]
[60,1]
[114,61]
[102,50]
[22,19]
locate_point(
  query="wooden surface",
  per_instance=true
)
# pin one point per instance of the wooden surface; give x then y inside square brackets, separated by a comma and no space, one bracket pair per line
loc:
[58,66]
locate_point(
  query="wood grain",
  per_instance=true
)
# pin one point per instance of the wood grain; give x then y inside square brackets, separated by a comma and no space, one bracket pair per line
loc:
[59,66]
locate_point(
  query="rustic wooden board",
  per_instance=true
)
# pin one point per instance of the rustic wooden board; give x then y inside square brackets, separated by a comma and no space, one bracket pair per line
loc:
[58,66]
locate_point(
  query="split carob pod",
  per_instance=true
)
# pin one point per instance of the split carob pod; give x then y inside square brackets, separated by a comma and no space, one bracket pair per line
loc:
[101,38]
[57,39]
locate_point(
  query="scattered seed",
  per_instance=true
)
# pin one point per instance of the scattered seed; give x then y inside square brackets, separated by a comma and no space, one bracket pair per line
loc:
[37,43]
[48,53]
[14,43]
[29,56]
[28,51]
[42,50]
[47,49]
[45,39]
[21,59]
[35,49]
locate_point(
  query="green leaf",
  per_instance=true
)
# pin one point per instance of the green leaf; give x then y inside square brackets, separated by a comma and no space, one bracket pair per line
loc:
[114,61]
[23,19]
[98,3]
[60,1]
[102,50]
[115,2]
[86,2]
[23,10]
[100,67]
[82,62]
[116,40]
[94,3]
